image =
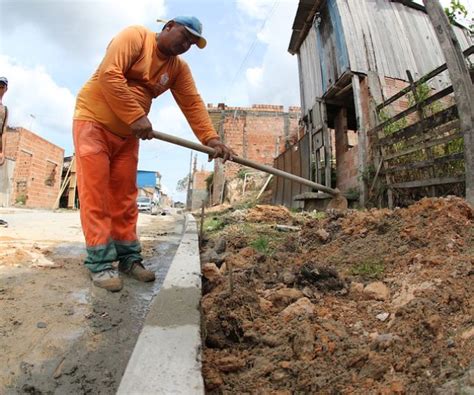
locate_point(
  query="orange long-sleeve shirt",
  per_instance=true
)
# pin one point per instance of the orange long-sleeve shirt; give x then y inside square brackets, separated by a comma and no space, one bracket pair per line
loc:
[132,73]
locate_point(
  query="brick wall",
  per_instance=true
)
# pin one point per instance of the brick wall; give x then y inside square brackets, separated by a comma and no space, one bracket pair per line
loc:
[37,174]
[199,179]
[346,153]
[259,133]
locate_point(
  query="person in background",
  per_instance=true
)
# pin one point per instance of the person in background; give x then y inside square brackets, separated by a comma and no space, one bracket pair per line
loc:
[3,127]
[111,115]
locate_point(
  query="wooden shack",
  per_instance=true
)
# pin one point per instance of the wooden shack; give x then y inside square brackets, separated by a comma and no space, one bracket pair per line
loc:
[352,55]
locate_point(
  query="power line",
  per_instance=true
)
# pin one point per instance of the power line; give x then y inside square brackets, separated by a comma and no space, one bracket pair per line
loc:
[252,46]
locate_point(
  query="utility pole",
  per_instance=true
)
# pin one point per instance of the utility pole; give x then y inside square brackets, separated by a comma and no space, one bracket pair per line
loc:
[462,85]
[190,175]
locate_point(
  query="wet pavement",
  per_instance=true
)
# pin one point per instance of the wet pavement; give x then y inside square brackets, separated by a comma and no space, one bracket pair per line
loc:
[91,356]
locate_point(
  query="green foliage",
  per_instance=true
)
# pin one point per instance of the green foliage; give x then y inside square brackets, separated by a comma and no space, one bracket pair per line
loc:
[182,184]
[21,199]
[318,215]
[367,174]
[423,91]
[368,269]
[241,173]
[261,244]
[394,126]
[353,193]
[213,224]
[210,180]
[455,10]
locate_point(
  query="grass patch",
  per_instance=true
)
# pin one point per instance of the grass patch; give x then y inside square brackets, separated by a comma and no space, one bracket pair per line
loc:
[262,245]
[319,215]
[368,269]
[213,224]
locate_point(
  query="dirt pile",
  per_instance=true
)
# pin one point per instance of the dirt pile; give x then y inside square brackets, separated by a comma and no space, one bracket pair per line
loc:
[356,302]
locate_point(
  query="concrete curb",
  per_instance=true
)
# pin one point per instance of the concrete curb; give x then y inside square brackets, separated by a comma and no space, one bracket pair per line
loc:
[167,356]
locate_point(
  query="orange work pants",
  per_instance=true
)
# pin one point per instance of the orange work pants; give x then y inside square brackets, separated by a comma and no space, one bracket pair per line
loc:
[106,179]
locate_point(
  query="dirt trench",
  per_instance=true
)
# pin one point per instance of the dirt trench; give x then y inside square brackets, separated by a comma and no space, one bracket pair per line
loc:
[364,302]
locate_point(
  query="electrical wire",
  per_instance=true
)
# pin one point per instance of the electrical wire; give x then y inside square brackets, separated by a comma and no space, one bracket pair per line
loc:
[252,47]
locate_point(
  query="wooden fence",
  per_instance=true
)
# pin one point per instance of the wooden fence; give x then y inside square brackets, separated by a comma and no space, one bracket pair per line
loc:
[295,160]
[419,151]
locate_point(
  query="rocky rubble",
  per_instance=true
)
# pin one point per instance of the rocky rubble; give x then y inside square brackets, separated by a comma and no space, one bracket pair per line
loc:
[356,302]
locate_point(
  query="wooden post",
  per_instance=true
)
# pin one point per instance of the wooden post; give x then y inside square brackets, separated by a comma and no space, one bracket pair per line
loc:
[71,201]
[421,115]
[362,140]
[462,85]
[327,146]
[201,230]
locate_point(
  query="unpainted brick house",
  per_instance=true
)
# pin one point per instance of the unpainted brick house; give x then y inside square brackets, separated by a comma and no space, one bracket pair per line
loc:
[31,174]
[199,191]
[258,133]
[353,55]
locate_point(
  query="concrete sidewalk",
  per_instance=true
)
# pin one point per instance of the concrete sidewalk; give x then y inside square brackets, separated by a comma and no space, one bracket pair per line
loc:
[167,356]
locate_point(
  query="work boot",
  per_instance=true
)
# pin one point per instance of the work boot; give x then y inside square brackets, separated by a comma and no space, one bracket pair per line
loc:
[138,272]
[108,279]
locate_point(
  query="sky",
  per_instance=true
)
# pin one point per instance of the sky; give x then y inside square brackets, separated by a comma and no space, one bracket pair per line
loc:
[50,48]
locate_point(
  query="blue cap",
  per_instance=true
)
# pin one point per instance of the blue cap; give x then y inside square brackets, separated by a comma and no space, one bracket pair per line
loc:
[3,80]
[193,26]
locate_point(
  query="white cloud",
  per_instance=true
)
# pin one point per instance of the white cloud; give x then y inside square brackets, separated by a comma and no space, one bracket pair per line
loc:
[78,27]
[257,9]
[275,79]
[255,76]
[36,101]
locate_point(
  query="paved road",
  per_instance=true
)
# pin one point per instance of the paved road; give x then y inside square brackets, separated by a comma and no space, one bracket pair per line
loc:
[60,333]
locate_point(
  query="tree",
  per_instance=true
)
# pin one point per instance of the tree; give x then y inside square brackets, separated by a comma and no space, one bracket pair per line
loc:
[457,12]
[182,184]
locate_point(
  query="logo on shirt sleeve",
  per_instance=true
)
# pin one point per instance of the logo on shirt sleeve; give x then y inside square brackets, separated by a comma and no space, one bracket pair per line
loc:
[164,79]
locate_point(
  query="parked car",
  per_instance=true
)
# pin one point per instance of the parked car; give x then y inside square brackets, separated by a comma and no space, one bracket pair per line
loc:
[144,203]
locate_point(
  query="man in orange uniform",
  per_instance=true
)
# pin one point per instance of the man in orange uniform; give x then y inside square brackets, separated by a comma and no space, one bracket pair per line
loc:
[110,116]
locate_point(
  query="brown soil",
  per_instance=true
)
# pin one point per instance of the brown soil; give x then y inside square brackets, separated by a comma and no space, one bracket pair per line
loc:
[377,301]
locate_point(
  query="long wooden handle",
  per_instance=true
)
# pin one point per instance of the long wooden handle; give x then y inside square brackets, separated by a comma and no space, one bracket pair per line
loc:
[237,159]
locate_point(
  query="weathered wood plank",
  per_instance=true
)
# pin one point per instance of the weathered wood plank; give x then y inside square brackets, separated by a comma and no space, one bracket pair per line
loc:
[463,90]
[426,102]
[440,118]
[422,80]
[425,163]
[427,183]
[428,144]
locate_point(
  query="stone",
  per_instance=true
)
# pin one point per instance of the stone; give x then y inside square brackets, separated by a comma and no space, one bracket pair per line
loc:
[308,292]
[283,297]
[288,278]
[211,256]
[221,246]
[211,272]
[407,292]
[230,364]
[466,335]
[356,287]
[377,290]
[322,235]
[301,308]
[382,316]
[384,340]
[41,325]
[223,268]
